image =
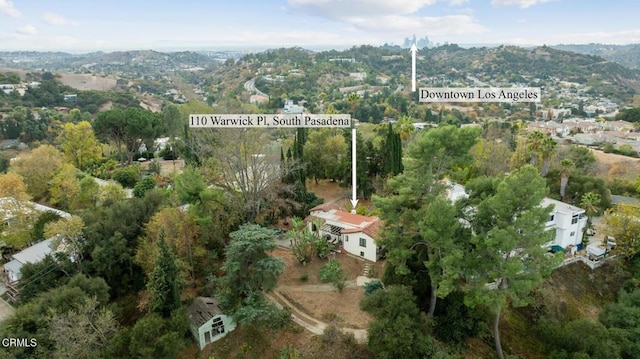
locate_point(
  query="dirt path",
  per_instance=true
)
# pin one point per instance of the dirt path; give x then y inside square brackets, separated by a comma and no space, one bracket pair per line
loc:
[311,324]
[314,287]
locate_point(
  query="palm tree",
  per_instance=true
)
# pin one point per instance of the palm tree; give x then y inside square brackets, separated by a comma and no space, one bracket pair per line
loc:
[534,141]
[565,166]
[353,99]
[590,202]
[404,128]
[547,151]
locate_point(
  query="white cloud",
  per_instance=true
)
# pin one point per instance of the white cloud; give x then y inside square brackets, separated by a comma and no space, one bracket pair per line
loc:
[391,18]
[341,9]
[54,19]
[520,3]
[6,7]
[436,26]
[457,2]
[27,30]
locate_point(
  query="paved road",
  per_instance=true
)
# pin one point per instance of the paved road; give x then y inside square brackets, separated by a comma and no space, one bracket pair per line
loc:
[251,87]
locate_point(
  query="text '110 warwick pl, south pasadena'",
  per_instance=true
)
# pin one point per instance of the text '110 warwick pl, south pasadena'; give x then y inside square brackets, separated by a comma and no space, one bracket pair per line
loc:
[270,120]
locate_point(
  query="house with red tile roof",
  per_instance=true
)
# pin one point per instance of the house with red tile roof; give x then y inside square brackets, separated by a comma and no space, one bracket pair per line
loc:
[356,234]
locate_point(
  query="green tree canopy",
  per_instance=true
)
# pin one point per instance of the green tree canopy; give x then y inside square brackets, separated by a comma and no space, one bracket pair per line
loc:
[165,281]
[127,128]
[509,259]
[249,270]
[399,330]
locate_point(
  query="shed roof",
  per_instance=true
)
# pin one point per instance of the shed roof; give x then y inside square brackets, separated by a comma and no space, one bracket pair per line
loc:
[202,310]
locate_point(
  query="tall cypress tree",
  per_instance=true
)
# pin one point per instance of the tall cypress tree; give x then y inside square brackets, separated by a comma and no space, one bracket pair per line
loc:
[164,282]
[392,152]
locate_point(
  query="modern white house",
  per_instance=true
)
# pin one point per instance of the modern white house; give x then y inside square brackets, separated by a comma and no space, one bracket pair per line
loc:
[357,234]
[206,321]
[568,221]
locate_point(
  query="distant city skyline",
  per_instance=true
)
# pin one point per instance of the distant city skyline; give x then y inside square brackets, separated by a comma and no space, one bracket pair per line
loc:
[83,26]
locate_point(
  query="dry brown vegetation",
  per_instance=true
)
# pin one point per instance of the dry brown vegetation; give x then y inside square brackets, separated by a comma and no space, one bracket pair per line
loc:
[611,166]
[88,81]
[325,303]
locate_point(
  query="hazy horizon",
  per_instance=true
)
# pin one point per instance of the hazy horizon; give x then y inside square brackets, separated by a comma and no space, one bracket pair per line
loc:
[80,27]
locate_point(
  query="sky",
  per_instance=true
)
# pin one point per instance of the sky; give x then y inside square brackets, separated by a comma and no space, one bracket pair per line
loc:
[84,26]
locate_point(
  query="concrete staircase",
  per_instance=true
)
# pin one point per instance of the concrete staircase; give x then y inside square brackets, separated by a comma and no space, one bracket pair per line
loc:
[366,269]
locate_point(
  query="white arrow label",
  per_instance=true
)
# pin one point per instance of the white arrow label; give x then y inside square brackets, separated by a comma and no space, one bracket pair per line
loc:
[413,50]
[354,200]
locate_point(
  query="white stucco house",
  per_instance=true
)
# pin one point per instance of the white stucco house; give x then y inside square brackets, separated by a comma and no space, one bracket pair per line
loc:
[568,221]
[356,234]
[207,323]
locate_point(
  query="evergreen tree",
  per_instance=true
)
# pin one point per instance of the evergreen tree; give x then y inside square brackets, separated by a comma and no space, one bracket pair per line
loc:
[509,259]
[165,282]
[392,152]
[249,272]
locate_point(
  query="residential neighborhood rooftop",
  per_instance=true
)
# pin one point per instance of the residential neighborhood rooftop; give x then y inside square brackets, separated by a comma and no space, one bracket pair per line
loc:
[8,204]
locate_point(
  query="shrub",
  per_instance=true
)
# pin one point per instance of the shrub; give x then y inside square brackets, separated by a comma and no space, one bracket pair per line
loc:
[331,271]
[167,154]
[127,176]
[323,247]
[147,184]
[608,147]
[290,352]
[304,277]
[154,167]
[372,286]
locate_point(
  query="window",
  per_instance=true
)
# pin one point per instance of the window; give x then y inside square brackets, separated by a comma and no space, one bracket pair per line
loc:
[572,234]
[207,337]
[363,242]
[217,327]
[361,254]
[574,219]
[346,238]
[551,217]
